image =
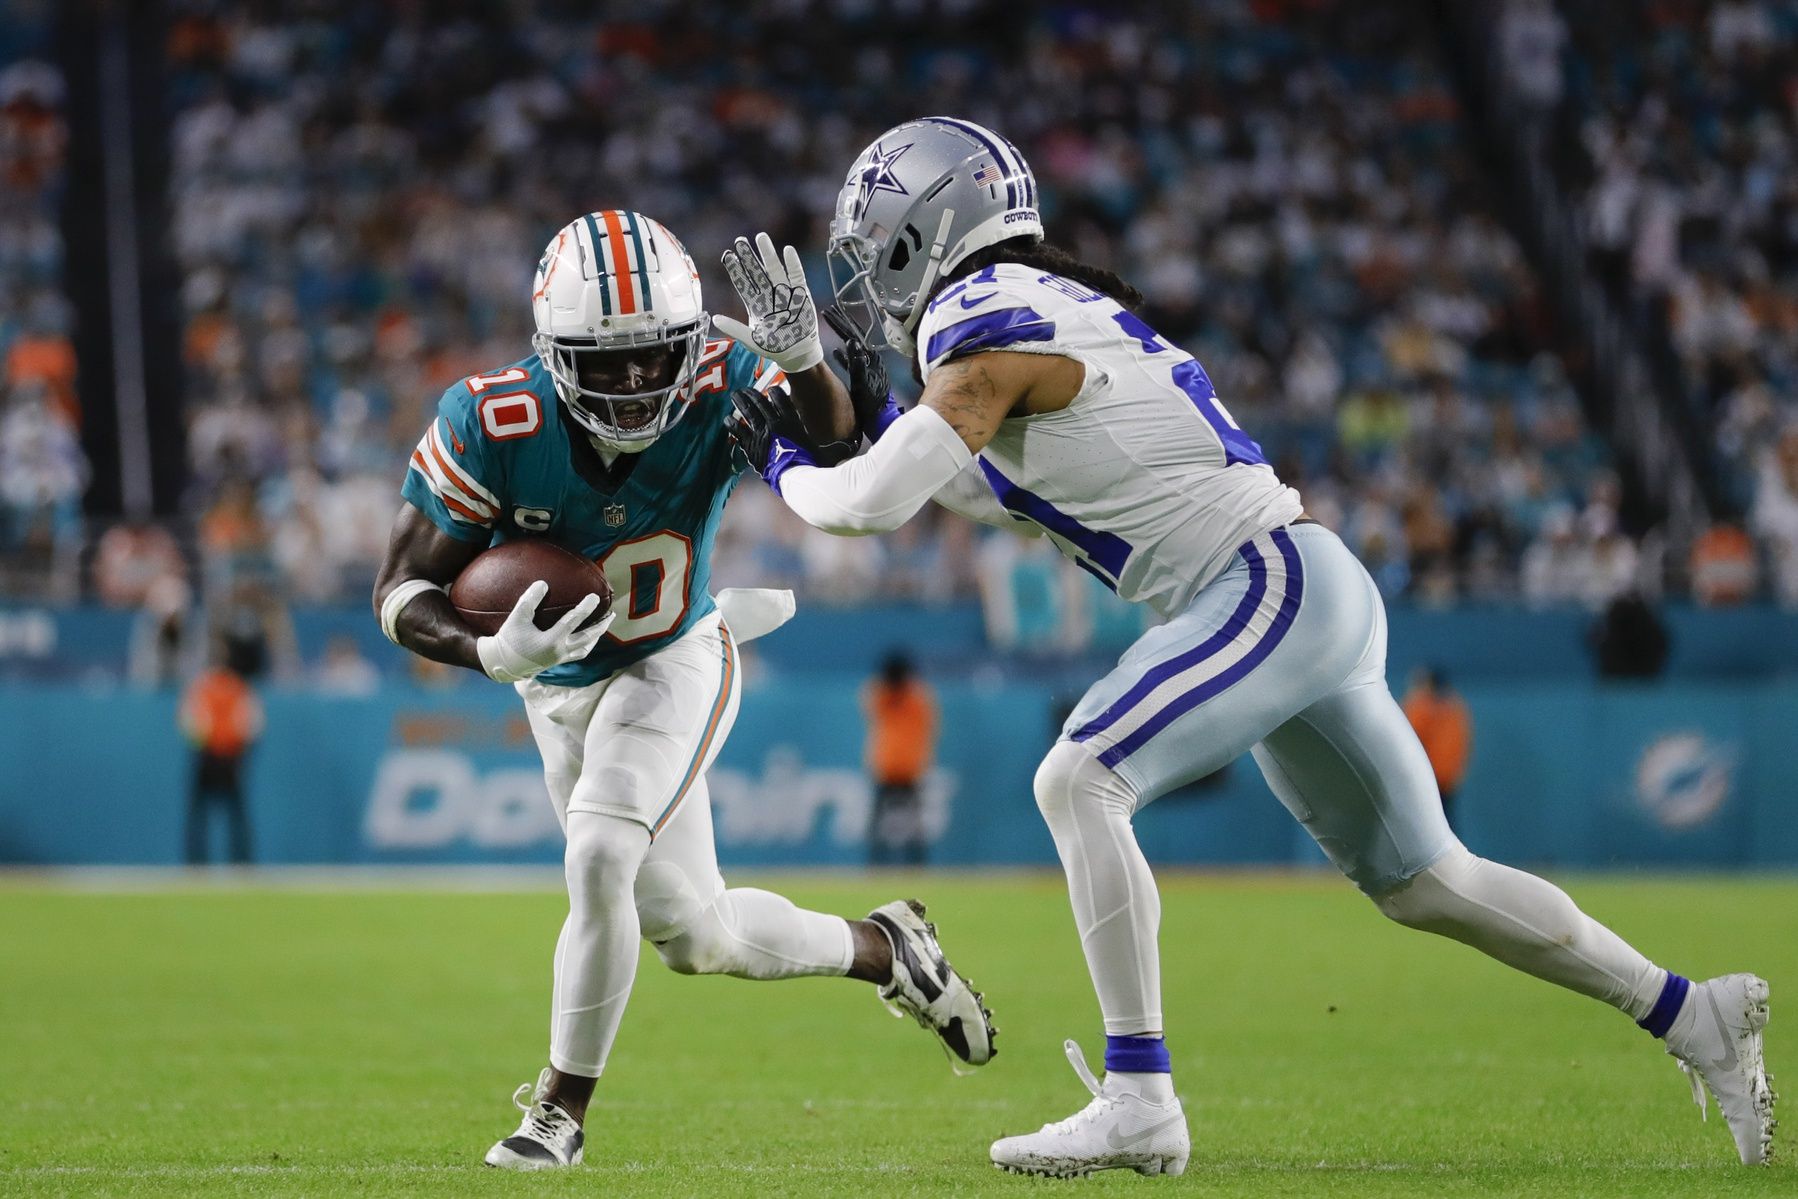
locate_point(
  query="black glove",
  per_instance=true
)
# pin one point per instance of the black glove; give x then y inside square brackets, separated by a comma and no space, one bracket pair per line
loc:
[765,429]
[757,419]
[870,392]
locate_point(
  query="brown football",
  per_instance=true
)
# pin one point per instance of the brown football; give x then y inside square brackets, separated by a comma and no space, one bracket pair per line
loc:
[486,590]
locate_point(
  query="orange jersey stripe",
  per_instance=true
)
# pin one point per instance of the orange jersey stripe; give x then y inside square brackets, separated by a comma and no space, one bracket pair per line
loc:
[456,474]
[449,473]
[456,505]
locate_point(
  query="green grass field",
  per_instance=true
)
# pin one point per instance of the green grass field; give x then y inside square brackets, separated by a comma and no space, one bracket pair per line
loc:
[273,1040]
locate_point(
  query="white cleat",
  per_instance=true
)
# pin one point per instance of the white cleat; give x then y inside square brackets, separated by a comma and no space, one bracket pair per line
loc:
[926,988]
[1118,1130]
[1717,1042]
[547,1139]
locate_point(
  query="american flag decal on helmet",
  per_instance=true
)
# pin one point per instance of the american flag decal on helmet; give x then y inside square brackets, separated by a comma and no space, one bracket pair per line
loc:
[986,173]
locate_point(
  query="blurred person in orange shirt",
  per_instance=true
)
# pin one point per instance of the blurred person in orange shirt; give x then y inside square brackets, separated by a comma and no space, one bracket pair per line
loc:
[1442,723]
[1724,569]
[222,717]
[901,714]
[46,359]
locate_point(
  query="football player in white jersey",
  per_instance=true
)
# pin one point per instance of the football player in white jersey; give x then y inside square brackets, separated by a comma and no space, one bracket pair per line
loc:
[610,442]
[1049,407]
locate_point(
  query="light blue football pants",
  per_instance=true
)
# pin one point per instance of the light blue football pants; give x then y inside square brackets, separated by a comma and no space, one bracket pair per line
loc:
[1284,656]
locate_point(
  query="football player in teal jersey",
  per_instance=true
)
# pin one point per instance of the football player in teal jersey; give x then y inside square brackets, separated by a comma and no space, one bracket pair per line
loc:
[611,442]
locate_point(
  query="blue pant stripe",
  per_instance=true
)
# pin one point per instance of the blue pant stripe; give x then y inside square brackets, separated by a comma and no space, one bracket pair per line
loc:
[1223,680]
[1212,645]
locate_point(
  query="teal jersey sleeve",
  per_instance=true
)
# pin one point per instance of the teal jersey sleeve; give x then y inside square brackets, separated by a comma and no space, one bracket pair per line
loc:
[725,366]
[455,476]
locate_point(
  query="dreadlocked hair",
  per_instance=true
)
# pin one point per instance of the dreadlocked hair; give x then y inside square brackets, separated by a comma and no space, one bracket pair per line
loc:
[1042,256]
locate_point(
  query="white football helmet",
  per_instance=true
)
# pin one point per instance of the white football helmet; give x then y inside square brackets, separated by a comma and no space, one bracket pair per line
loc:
[620,325]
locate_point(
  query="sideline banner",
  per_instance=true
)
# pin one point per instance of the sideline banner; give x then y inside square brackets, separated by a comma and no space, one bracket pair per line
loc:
[1565,775]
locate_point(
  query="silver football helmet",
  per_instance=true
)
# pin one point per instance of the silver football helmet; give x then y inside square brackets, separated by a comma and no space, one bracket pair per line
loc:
[923,197]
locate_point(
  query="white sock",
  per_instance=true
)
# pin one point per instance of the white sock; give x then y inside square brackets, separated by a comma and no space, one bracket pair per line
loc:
[596,957]
[1527,923]
[1154,1088]
[1116,906]
[748,933]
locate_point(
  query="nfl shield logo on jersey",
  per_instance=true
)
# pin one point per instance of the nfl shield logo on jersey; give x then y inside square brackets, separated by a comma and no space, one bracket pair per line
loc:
[614,514]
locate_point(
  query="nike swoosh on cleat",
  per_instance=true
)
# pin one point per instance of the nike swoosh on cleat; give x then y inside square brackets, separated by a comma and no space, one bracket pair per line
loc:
[1731,1060]
[1112,1140]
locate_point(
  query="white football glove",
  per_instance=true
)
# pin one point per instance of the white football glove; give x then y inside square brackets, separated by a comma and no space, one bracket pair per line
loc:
[521,650]
[783,321]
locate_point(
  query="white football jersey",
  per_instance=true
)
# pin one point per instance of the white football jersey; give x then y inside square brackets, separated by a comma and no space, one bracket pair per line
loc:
[1144,479]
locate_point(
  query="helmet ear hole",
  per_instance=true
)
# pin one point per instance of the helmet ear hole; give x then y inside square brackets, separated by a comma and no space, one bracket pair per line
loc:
[901,252]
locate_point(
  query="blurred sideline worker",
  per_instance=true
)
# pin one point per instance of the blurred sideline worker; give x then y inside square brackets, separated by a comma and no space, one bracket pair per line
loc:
[1050,407]
[901,714]
[222,718]
[610,442]
[1629,640]
[1443,726]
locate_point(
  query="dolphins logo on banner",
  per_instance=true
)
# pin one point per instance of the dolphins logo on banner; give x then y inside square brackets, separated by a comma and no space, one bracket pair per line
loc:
[1683,778]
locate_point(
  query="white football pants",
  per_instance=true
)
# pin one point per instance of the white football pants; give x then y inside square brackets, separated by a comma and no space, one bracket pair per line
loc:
[625,762]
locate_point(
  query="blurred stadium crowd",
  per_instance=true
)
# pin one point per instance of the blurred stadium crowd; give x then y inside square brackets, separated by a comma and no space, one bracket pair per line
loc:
[359,193]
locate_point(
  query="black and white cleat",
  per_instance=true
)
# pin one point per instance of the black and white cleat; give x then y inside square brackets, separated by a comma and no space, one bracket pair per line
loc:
[927,988]
[548,1138]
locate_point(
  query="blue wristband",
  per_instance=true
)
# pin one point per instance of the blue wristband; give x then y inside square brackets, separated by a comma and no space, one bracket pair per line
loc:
[885,417]
[784,455]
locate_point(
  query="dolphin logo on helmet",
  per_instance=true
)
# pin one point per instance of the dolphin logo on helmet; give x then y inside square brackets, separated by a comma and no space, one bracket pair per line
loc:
[612,284]
[923,196]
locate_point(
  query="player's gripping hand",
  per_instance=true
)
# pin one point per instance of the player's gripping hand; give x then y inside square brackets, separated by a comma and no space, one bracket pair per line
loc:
[521,650]
[870,392]
[783,322]
[759,431]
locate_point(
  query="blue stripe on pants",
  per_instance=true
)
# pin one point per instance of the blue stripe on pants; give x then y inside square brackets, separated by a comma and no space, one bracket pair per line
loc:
[1212,645]
[1224,679]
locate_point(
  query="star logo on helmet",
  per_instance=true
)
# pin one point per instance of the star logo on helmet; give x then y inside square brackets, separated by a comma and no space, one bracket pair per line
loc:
[877,175]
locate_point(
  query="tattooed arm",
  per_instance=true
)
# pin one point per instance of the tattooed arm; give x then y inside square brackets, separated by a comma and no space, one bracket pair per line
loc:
[923,450]
[974,394]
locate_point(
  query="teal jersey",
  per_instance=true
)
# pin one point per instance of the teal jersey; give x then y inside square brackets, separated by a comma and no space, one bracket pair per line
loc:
[502,460]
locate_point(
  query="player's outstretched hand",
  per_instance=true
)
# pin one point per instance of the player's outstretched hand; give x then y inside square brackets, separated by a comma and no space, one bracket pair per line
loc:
[783,322]
[760,430]
[757,421]
[521,650]
[870,392]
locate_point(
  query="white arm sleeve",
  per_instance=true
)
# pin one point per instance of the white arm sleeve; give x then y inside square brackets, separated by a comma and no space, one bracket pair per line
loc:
[885,487]
[969,494]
